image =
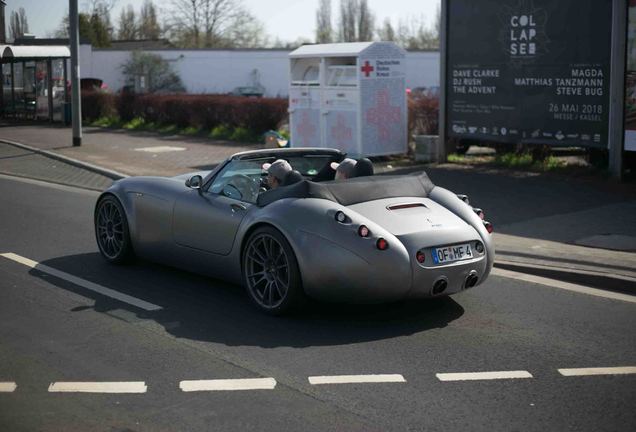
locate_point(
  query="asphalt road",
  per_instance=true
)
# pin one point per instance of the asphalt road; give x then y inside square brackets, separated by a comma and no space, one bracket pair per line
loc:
[55,331]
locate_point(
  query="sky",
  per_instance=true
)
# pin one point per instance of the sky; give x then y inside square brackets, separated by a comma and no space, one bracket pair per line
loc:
[288,20]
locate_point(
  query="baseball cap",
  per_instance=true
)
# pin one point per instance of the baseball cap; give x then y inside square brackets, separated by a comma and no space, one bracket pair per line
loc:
[279,168]
[346,167]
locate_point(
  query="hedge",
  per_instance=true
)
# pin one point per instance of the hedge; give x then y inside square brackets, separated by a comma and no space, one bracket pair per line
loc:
[188,111]
[208,112]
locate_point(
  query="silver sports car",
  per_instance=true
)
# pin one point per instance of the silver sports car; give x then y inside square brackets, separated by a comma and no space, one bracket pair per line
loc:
[366,239]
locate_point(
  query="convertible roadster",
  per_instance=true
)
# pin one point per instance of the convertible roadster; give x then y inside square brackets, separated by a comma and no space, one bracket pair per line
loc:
[366,239]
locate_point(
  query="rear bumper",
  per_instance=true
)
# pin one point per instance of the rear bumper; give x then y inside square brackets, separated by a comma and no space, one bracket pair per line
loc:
[456,276]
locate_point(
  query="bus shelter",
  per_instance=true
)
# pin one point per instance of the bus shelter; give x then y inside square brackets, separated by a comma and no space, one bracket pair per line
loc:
[33,84]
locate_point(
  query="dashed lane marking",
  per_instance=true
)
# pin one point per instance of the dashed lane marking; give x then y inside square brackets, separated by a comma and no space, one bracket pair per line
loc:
[228,384]
[564,285]
[8,387]
[99,387]
[356,379]
[475,376]
[83,283]
[624,370]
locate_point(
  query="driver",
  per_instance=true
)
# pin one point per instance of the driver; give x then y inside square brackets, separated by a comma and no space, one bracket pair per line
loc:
[344,169]
[276,172]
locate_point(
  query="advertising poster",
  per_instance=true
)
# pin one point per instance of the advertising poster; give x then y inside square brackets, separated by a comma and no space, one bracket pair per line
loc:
[630,80]
[529,71]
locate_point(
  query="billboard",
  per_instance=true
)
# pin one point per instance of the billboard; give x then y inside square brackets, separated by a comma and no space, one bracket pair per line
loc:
[630,80]
[529,71]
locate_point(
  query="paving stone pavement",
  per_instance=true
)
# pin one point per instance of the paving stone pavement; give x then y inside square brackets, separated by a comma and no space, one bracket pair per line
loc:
[23,163]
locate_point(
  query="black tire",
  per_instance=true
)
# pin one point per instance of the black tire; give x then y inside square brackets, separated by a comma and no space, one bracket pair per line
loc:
[270,272]
[111,231]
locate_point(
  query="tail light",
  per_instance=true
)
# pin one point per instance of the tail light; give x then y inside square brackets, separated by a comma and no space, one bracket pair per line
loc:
[382,244]
[463,198]
[479,212]
[363,231]
[489,227]
[420,257]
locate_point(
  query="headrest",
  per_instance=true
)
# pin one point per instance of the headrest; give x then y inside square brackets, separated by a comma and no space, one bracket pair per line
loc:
[363,168]
[292,177]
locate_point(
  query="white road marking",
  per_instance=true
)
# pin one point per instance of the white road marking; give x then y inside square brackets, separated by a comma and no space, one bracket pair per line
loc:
[599,371]
[99,387]
[563,285]
[83,283]
[8,387]
[160,149]
[474,376]
[228,384]
[355,379]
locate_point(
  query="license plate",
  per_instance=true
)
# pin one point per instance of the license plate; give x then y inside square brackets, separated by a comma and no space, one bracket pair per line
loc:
[449,254]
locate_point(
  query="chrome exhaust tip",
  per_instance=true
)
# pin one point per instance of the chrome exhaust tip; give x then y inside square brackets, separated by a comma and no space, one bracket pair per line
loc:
[471,280]
[440,286]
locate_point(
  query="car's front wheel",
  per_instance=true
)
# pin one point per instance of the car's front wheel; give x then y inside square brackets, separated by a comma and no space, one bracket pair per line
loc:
[270,272]
[111,231]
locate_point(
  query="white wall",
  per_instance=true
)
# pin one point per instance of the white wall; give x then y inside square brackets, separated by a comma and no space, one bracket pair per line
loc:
[220,71]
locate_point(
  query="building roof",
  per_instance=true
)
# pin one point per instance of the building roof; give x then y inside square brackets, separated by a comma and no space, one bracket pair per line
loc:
[350,49]
[34,51]
[145,44]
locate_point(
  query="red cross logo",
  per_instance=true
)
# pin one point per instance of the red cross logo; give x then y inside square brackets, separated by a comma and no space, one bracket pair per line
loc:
[341,133]
[306,130]
[367,69]
[383,115]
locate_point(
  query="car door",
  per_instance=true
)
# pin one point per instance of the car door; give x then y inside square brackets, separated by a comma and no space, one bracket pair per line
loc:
[207,219]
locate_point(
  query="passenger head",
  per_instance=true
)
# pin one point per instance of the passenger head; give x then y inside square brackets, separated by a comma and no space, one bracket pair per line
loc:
[276,172]
[344,169]
[364,168]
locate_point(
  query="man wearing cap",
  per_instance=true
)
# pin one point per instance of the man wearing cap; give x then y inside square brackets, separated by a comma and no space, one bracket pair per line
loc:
[276,172]
[344,169]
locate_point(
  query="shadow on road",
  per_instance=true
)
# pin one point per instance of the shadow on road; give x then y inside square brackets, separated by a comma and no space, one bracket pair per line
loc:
[204,309]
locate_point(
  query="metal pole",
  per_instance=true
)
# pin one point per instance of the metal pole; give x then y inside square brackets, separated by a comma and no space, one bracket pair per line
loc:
[49,86]
[616,133]
[443,40]
[75,73]
[12,89]
[66,97]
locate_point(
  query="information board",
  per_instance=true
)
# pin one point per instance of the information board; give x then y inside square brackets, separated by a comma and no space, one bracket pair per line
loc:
[530,71]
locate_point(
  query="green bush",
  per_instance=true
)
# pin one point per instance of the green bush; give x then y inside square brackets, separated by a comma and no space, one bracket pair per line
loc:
[134,124]
[242,134]
[221,132]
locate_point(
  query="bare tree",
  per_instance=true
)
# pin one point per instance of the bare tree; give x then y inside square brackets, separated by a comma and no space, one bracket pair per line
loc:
[127,24]
[148,25]
[415,34]
[214,23]
[347,31]
[386,32]
[324,31]
[366,22]
[18,24]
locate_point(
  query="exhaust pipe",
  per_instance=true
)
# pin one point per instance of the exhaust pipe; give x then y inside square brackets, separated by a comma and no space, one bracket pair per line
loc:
[440,286]
[471,280]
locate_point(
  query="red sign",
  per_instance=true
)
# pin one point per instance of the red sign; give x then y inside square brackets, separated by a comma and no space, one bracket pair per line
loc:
[367,69]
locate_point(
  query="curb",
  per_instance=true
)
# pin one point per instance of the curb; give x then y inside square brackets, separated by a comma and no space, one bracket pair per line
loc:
[599,280]
[84,165]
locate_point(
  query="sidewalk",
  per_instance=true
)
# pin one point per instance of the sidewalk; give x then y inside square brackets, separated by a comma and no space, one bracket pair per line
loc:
[579,230]
[130,153]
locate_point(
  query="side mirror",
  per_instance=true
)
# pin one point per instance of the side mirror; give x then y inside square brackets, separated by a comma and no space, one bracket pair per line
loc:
[194,182]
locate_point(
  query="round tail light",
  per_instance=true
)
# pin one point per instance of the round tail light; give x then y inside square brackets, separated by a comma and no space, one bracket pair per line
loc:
[341,217]
[382,244]
[489,227]
[363,231]
[479,247]
[479,212]
[420,257]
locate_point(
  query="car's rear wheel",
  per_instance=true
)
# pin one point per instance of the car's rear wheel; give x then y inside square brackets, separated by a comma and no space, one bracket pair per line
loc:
[111,231]
[270,272]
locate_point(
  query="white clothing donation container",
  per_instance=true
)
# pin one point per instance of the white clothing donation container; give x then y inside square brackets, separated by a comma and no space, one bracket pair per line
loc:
[349,96]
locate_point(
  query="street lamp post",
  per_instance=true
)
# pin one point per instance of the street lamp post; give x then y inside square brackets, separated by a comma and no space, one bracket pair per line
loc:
[76,103]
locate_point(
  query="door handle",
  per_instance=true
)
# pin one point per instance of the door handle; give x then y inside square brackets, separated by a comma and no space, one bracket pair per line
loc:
[237,207]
